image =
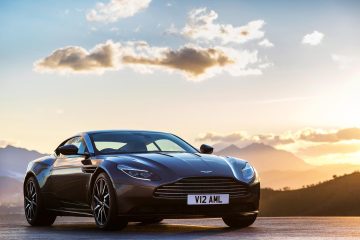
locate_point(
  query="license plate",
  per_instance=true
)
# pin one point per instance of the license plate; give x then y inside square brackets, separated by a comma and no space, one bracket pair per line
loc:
[207,199]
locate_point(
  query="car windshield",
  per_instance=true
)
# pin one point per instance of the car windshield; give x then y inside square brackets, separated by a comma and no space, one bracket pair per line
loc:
[138,142]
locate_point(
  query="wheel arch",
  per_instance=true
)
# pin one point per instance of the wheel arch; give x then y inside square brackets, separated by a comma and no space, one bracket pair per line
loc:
[98,171]
[27,176]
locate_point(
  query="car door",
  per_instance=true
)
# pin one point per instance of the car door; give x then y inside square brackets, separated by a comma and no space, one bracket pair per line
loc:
[69,180]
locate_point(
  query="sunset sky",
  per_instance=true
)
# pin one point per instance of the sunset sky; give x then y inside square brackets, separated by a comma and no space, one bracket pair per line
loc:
[283,73]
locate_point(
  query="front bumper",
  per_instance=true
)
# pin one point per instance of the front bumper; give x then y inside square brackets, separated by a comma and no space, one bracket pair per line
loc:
[139,201]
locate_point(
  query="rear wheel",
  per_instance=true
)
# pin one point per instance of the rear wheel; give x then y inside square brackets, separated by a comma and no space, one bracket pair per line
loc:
[104,205]
[239,221]
[35,211]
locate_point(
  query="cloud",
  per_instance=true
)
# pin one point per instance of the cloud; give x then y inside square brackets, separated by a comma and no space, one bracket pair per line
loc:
[273,140]
[343,62]
[312,136]
[316,135]
[192,60]
[77,59]
[195,62]
[313,39]
[201,26]
[349,134]
[116,9]
[269,139]
[314,145]
[326,149]
[213,137]
[330,136]
[266,43]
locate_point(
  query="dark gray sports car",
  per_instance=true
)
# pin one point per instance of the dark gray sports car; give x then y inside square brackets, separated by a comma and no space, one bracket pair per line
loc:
[138,176]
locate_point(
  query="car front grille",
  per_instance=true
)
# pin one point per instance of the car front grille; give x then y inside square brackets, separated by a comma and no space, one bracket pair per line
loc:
[202,185]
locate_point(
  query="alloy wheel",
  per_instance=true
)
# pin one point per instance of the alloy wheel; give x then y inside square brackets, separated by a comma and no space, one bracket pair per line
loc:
[101,201]
[31,203]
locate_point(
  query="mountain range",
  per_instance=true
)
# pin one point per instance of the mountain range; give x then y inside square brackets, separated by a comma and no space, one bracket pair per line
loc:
[13,163]
[265,158]
[14,160]
[10,191]
[279,168]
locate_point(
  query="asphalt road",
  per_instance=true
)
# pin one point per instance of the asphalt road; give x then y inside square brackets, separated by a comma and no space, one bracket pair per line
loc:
[65,228]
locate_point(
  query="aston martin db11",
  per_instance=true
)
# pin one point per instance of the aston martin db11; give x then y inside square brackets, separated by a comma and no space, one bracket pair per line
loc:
[138,176]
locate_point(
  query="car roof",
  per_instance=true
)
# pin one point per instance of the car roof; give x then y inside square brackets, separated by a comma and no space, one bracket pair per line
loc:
[120,131]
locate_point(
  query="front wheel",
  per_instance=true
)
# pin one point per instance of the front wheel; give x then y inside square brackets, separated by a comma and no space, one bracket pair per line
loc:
[239,221]
[35,211]
[104,205]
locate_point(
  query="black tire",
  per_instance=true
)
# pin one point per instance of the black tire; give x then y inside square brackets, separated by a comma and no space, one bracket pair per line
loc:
[154,220]
[104,205]
[239,221]
[35,212]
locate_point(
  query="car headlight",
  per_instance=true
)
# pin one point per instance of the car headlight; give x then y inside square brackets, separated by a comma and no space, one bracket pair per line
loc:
[139,173]
[248,172]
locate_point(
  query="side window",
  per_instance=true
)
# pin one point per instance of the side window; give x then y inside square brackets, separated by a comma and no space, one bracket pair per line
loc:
[70,141]
[151,147]
[79,143]
[109,145]
[169,146]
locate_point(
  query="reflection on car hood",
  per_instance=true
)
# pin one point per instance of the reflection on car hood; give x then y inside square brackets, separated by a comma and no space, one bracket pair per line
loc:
[183,164]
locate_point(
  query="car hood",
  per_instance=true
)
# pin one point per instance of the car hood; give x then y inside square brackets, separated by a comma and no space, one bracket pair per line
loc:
[181,165]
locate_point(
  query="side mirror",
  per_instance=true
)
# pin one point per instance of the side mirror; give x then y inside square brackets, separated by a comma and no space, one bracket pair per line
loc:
[68,150]
[206,149]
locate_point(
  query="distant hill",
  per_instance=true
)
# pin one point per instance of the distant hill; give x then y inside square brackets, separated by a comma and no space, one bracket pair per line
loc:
[279,168]
[265,158]
[294,179]
[10,191]
[13,163]
[337,197]
[14,160]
